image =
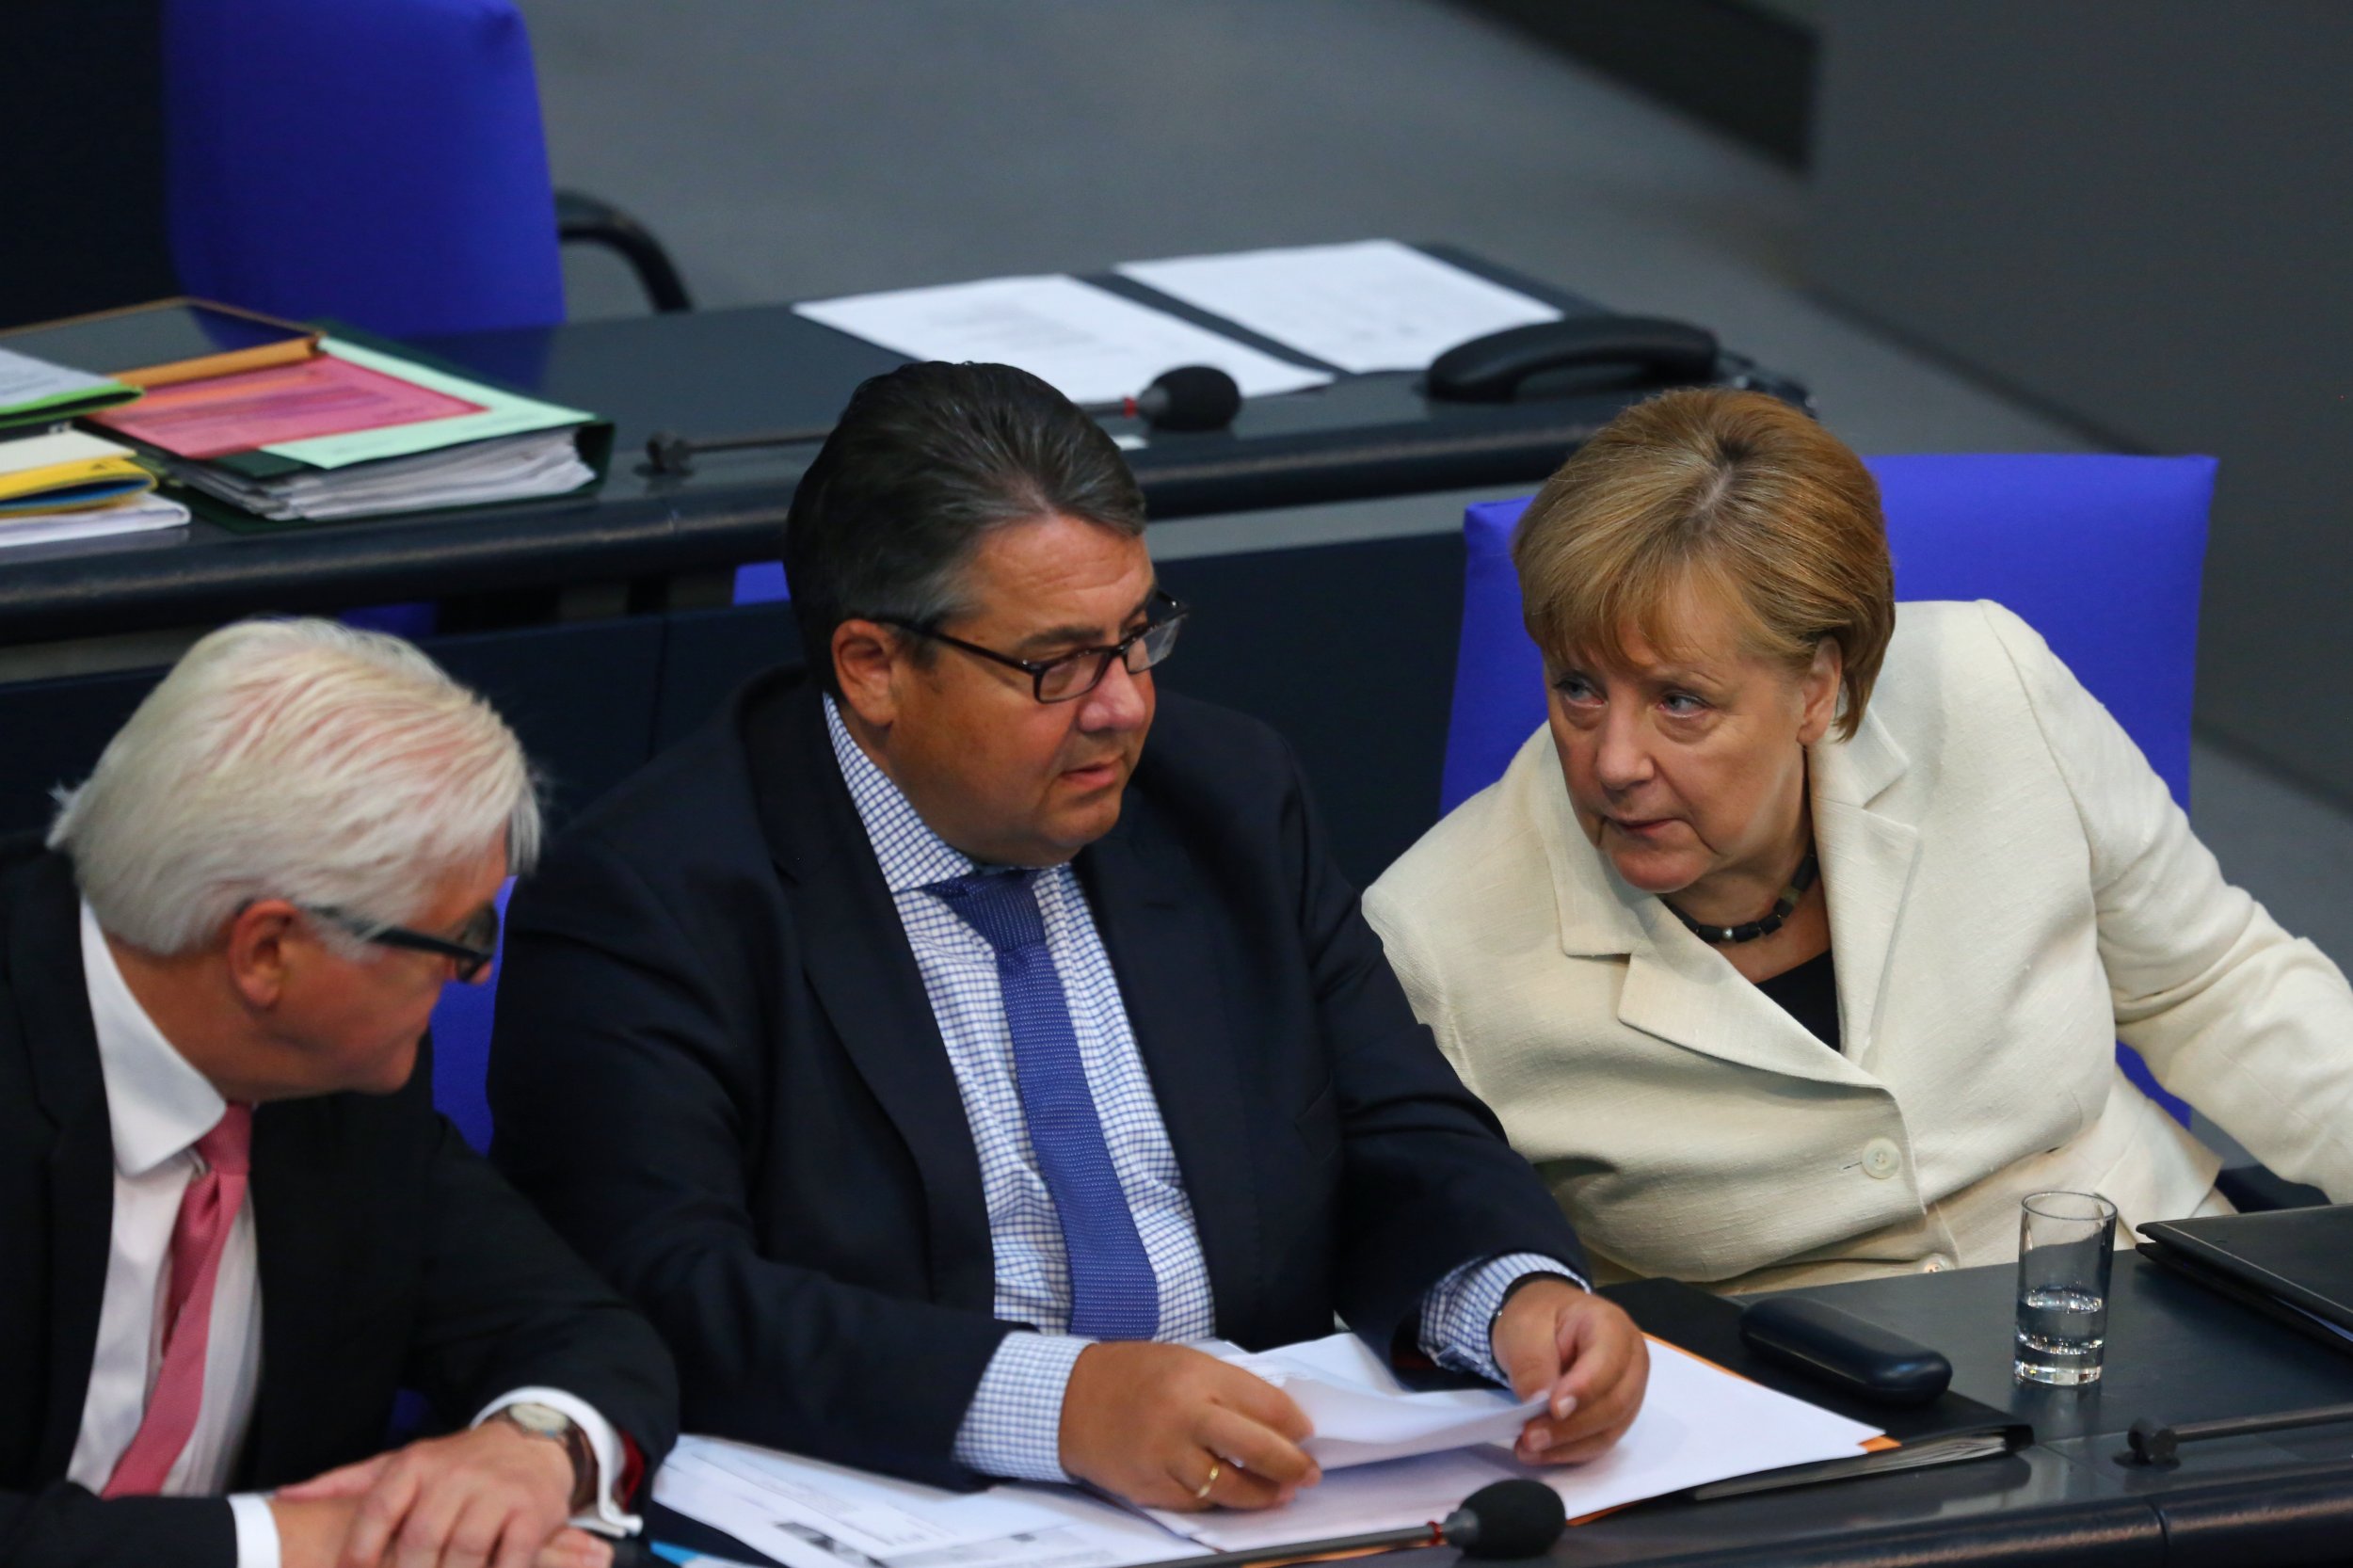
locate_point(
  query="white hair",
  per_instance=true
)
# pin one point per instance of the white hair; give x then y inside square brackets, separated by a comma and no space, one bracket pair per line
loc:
[298,760]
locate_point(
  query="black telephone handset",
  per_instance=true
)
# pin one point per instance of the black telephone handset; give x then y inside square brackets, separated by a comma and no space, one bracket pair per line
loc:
[1617,351]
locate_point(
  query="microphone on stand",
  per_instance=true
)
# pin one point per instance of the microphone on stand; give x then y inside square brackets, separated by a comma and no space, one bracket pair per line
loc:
[1510,1518]
[1190,397]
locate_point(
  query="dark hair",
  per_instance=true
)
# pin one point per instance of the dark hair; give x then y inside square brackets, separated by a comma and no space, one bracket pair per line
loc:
[926,459]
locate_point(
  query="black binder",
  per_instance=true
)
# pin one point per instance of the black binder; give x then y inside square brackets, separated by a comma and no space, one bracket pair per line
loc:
[1947,1430]
[2295,1265]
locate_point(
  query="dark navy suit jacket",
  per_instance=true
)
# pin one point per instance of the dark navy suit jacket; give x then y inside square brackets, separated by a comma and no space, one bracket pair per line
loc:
[716,1069]
[390,1256]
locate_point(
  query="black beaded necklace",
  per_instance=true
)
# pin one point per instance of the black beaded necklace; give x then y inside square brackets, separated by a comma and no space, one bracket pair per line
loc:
[1799,880]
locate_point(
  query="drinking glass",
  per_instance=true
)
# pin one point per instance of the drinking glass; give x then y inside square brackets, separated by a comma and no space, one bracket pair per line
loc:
[2066,1246]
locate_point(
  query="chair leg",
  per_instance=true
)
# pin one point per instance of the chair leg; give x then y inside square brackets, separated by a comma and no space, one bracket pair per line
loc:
[586,219]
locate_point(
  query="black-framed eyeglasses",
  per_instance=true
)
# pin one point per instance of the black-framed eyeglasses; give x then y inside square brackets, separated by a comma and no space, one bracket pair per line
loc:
[1073,675]
[470,952]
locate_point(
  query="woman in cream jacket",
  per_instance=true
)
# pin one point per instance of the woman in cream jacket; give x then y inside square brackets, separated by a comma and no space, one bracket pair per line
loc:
[1796,947]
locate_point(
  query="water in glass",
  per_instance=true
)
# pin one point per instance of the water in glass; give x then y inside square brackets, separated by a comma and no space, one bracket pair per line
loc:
[2066,1246]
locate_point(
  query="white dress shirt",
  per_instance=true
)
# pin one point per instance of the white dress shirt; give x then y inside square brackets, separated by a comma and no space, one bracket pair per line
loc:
[1013,1426]
[159,1106]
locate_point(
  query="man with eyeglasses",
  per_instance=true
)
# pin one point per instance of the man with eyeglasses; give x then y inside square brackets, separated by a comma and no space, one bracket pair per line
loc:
[233,1227]
[926,1056]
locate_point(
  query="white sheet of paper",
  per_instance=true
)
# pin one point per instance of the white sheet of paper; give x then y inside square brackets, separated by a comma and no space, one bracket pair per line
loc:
[1362,1414]
[58,446]
[144,514]
[1698,1424]
[25,379]
[1367,306]
[1091,345]
[875,1514]
[809,1514]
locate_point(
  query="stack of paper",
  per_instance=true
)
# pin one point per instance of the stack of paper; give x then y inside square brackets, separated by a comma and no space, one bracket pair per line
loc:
[66,470]
[512,469]
[354,432]
[65,485]
[1698,1424]
[36,393]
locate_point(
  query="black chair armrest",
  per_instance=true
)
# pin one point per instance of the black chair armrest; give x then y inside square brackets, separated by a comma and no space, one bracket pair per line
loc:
[582,218]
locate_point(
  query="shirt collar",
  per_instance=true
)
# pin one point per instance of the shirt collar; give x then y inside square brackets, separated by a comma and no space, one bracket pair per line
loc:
[911,854]
[158,1103]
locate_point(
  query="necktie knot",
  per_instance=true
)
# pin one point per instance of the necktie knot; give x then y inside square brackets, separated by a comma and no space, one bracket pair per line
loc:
[1001,905]
[228,1148]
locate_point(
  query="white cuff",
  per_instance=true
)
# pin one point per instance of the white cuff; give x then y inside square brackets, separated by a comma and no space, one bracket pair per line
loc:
[1459,1313]
[257,1531]
[1013,1426]
[605,1517]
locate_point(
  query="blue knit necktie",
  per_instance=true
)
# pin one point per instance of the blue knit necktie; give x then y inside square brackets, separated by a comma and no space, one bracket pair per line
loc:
[1114,1294]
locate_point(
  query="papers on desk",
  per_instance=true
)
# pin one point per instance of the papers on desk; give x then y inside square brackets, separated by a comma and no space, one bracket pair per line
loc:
[143,514]
[1362,1414]
[496,413]
[1092,345]
[36,393]
[66,470]
[1369,306]
[326,394]
[1699,1424]
[809,1514]
[515,469]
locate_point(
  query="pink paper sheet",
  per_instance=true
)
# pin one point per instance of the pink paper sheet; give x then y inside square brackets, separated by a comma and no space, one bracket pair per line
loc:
[318,397]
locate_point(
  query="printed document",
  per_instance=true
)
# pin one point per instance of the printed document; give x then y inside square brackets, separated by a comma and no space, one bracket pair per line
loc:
[1362,1414]
[1369,306]
[1698,1424]
[1091,345]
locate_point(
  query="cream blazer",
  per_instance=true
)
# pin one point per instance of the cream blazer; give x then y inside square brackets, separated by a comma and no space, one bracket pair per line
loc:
[2011,889]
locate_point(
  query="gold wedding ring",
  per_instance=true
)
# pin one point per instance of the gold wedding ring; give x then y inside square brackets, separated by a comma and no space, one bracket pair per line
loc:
[1217,1468]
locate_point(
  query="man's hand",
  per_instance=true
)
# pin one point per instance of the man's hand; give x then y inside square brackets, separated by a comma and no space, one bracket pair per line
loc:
[493,1496]
[1152,1422]
[1587,1353]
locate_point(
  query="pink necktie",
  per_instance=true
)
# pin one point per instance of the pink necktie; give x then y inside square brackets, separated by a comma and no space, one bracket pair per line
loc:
[208,1210]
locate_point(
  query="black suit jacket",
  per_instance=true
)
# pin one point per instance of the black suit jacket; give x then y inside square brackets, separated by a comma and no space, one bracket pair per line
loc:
[390,1256]
[717,1070]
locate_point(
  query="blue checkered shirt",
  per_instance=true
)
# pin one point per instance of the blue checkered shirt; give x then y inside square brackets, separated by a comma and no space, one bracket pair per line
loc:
[1013,1428]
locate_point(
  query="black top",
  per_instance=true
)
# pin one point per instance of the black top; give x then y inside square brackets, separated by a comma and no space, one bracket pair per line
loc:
[717,1066]
[1809,994]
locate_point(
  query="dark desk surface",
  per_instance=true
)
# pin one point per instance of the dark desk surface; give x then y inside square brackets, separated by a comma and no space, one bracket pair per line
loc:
[733,372]
[2174,1352]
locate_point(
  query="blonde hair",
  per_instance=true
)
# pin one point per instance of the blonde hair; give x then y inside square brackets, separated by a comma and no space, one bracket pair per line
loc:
[300,760]
[1713,490]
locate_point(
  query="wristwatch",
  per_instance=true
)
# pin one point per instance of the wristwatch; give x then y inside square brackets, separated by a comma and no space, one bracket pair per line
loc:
[544,1420]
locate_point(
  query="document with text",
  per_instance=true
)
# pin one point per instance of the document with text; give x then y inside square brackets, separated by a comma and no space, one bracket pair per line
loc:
[1368,306]
[1091,345]
[1699,1424]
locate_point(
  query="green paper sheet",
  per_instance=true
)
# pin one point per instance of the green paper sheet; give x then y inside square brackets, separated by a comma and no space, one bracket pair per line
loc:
[503,414]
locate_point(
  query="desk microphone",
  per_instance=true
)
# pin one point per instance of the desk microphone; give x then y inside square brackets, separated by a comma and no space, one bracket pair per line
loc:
[1190,397]
[1510,1518]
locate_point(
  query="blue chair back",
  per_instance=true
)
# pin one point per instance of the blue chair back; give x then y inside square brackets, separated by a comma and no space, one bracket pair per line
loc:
[2100,554]
[461,1046]
[377,161]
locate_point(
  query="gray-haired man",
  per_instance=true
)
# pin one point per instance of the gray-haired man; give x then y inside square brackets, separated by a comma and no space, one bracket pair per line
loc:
[231,1226]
